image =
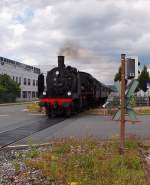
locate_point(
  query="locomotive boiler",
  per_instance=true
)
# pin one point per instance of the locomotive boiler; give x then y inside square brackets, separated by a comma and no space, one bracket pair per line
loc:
[69,91]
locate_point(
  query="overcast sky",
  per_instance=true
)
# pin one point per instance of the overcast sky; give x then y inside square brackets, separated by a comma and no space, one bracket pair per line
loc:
[95,32]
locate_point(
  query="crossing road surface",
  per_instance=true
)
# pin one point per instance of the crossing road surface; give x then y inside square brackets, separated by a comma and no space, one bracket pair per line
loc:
[14,117]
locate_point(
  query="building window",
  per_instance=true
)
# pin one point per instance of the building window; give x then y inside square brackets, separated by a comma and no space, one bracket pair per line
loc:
[29,94]
[20,80]
[16,79]
[25,81]
[24,94]
[28,81]
[36,82]
[19,95]
[13,78]
[33,82]
[33,94]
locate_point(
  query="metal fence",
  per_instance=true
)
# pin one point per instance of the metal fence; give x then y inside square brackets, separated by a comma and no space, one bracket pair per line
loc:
[136,101]
[142,101]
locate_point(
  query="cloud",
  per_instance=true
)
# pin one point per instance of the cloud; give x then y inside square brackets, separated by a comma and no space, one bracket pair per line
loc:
[34,32]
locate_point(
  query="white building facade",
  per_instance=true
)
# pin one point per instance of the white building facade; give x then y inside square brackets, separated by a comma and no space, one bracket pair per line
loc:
[25,75]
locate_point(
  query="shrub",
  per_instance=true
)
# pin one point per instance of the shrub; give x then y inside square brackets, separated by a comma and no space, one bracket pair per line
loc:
[9,89]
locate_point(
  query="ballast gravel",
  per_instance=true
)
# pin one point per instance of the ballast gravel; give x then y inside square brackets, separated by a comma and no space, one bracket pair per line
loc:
[13,170]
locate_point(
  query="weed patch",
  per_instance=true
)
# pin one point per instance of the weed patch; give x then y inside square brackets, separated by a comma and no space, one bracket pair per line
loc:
[89,162]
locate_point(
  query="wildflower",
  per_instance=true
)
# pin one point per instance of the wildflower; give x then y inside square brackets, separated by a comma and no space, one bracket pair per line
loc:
[54,157]
[73,183]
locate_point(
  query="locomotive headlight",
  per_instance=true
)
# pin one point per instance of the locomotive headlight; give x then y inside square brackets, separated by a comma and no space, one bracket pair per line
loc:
[57,73]
[44,93]
[69,93]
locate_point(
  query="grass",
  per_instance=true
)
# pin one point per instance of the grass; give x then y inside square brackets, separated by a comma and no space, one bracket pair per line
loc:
[89,162]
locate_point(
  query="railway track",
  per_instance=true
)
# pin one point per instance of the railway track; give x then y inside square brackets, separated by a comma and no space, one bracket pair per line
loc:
[14,135]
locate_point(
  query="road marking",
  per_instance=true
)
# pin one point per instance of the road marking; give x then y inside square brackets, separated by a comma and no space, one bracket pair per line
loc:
[3,115]
[24,110]
[37,114]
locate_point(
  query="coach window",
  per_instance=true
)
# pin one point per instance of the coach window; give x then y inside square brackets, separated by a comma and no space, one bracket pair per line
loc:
[28,81]
[25,81]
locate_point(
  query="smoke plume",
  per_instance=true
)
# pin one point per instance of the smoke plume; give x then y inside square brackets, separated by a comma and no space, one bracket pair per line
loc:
[74,51]
[101,67]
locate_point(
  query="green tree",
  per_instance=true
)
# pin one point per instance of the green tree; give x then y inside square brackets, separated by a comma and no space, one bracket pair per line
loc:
[143,79]
[9,89]
[118,75]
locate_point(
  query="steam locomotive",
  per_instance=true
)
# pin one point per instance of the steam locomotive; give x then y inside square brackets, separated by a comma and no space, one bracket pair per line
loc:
[69,91]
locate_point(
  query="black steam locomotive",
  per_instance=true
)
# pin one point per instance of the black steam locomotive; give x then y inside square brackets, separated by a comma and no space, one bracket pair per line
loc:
[69,91]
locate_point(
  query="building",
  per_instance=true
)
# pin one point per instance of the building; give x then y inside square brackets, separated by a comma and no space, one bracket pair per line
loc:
[23,74]
[148,69]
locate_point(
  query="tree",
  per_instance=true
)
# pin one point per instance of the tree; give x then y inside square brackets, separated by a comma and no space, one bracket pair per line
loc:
[9,89]
[143,79]
[118,75]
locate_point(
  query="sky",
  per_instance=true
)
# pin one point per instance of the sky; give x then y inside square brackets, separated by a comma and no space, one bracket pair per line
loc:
[90,33]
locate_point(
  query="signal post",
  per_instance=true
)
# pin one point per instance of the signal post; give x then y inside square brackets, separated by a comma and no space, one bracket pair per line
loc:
[122,123]
[125,94]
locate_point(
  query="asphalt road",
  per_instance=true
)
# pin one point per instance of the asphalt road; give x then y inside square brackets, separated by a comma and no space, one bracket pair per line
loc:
[14,116]
[80,126]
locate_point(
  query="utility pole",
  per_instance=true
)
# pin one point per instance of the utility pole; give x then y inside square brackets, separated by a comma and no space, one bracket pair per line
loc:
[122,123]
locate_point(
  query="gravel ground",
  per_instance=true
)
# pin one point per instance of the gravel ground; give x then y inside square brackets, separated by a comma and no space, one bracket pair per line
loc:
[13,170]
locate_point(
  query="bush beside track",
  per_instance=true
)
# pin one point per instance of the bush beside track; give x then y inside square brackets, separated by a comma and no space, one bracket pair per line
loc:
[142,110]
[34,107]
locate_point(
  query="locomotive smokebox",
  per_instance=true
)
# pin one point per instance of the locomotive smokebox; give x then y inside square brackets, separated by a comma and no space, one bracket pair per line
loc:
[61,62]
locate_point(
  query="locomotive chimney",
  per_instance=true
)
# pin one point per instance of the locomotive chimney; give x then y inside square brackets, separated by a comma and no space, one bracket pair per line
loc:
[61,62]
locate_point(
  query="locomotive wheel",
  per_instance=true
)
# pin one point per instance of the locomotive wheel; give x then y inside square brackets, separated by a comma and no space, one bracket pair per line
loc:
[46,108]
[68,112]
[76,107]
[48,111]
[49,114]
[52,114]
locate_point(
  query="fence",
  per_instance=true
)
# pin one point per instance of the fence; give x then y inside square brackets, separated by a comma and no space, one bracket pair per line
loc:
[142,101]
[136,101]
